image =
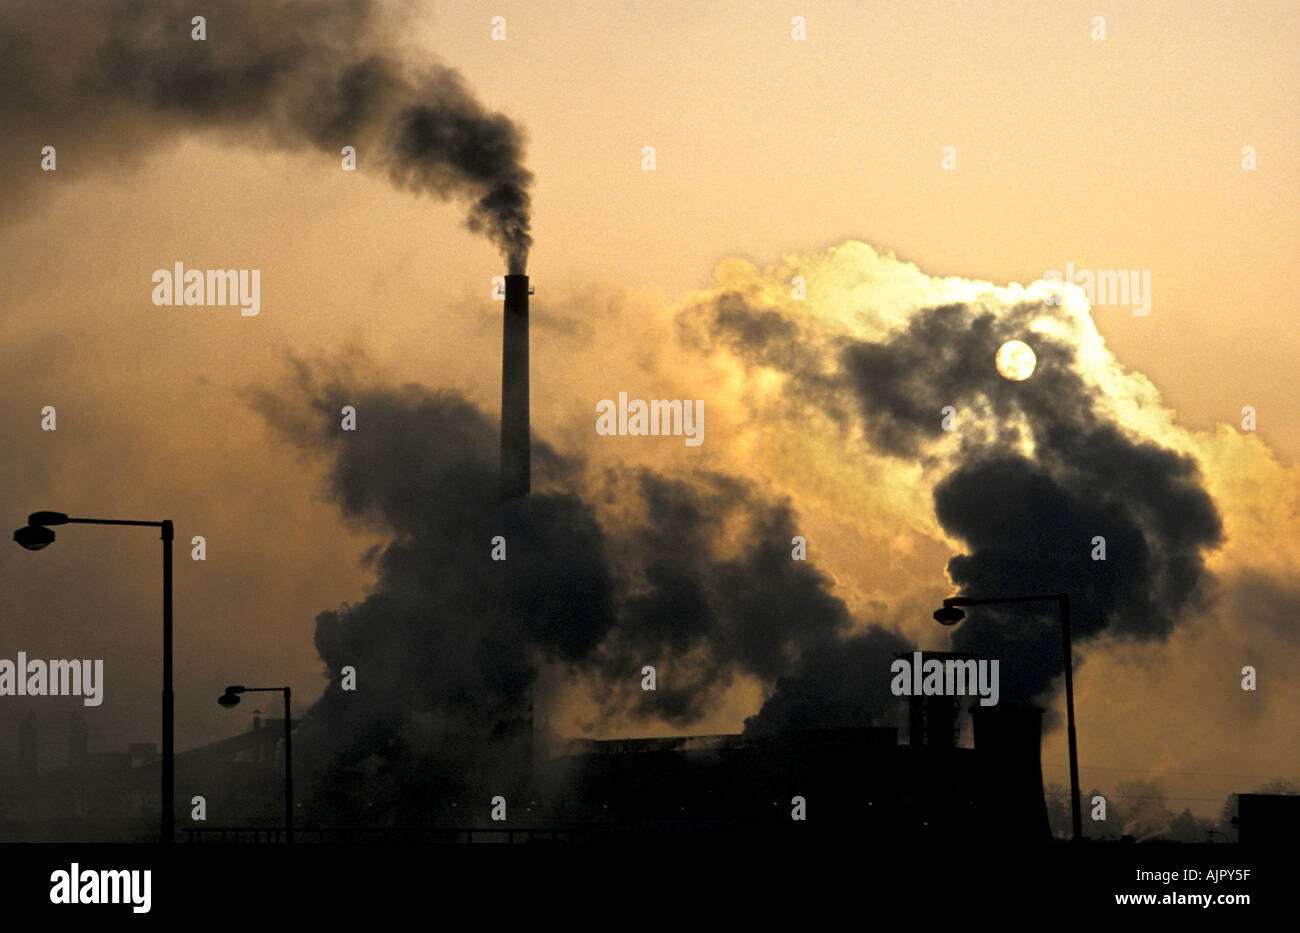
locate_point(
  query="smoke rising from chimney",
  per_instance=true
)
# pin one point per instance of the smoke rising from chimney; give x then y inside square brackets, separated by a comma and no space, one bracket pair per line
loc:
[292,75]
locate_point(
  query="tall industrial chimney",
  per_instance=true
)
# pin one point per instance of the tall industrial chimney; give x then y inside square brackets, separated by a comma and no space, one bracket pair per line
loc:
[516,471]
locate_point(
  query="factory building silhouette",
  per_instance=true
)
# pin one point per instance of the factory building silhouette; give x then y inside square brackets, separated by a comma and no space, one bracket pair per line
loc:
[849,779]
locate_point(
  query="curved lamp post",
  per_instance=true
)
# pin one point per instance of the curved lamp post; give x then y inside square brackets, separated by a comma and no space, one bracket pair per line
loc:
[952,613]
[230,699]
[37,534]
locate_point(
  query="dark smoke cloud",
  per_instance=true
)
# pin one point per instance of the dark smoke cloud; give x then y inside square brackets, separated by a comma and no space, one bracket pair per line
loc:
[838,684]
[709,590]
[767,338]
[690,574]
[1028,519]
[446,646]
[105,82]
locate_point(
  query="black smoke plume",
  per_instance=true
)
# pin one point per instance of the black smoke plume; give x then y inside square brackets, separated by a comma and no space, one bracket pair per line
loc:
[838,685]
[1042,469]
[107,81]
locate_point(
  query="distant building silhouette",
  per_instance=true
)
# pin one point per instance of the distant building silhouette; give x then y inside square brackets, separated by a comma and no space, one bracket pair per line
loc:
[114,796]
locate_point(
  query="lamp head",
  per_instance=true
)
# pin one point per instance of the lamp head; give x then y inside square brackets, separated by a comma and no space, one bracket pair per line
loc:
[47,518]
[949,615]
[34,537]
[230,698]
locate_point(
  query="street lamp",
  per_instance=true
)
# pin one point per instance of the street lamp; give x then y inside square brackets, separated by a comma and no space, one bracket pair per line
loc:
[37,534]
[952,613]
[229,700]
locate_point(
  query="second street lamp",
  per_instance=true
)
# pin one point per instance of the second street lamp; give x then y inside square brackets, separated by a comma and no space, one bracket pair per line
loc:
[229,700]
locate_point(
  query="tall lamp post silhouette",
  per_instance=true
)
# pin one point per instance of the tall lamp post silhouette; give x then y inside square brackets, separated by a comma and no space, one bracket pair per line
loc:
[229,700]
[951,614]
[37,534]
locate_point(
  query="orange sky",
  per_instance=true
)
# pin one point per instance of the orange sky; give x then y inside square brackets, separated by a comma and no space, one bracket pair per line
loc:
[1123,153]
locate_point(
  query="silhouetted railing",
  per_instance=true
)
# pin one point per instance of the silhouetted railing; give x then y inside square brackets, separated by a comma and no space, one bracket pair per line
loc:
[420,834]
